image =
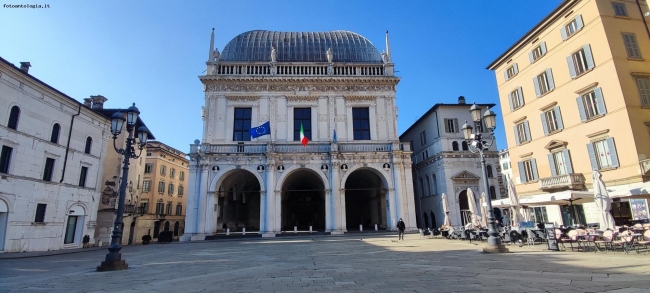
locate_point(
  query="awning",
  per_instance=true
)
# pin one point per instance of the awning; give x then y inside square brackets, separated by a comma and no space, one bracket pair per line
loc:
[635,190]
[556,198]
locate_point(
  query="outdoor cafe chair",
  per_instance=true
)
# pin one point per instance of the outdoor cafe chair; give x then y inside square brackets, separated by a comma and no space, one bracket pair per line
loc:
[645,242]
[571,237]
[625,242]
[606,240]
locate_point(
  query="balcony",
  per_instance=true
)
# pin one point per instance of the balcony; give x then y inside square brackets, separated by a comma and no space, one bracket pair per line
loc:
[296,147]
[573,181]
[132,209]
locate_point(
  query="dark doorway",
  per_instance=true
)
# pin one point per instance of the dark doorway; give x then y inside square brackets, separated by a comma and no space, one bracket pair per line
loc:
[433,220]
[303,201]
[176,226]
[426,221]
[463,204]
[239,202]
[156,229]
[365,201]
[166,226]
[131,232]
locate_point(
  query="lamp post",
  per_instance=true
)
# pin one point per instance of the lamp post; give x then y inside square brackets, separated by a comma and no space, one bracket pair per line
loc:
[478,145]
[114,259]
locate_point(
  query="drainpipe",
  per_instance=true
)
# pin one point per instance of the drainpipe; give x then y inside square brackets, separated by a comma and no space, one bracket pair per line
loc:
[638,4]
[67,146]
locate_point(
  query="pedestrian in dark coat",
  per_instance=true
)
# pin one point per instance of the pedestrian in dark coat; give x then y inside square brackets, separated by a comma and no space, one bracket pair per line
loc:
[401,227]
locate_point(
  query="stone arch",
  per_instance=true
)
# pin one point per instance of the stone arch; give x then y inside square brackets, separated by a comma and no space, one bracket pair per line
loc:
[302,199]
[74,223]
[4,220]
[366,190]
[218,177]
[236,192]
[288,171]
[387,183]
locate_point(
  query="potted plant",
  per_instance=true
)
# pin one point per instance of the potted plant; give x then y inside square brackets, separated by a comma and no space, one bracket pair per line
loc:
[146,239]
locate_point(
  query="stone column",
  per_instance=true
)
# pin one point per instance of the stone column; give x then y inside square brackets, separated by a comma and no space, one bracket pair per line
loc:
[210,219]
[191,212]
[392,210]
[202,203]
[342,224]
[268,229]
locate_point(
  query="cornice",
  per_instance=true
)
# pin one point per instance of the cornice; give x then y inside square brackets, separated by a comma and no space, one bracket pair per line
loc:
[210,79]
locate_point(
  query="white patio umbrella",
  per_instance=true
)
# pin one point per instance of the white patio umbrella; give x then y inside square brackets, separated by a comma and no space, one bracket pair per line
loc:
[515,216]
[471,201]
[603,201]
[445,208]
[484,211]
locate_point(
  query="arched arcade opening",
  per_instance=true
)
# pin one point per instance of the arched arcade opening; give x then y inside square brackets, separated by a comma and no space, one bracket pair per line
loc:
[238,202]
[365,200]
[303,201]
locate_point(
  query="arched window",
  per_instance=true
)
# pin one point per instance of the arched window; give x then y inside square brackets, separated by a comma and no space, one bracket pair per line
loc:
[421,187]
[489,171]
[465,147]
[56,128]
[435,184]
[428,186]
[14,116]
[454,145]
[89,145]
[493,192]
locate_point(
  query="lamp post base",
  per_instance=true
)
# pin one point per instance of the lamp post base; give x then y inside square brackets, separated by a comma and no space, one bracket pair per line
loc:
[117,265]
[499,248]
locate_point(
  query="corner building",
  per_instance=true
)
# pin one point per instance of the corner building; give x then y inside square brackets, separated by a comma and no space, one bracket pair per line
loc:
[353,173]
[575,93]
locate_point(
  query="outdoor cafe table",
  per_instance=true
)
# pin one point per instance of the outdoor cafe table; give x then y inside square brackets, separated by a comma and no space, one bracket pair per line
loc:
[584,241]
[627,246]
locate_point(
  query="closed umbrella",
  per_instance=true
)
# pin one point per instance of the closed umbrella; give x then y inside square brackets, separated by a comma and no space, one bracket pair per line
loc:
[471,201]
[514,200]
[603,201]
[484,211]
[445,208]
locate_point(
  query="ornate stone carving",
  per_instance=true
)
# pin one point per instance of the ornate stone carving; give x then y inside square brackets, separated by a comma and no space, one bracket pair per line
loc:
[340,118]
[300,88]
[322,117]
[263,118]
[282,118]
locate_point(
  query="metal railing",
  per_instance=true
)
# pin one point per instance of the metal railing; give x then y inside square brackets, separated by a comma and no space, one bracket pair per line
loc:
[300,69]
[370,147]
[296,147]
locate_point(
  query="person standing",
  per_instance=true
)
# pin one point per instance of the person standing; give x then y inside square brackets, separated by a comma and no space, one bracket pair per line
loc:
[400,227]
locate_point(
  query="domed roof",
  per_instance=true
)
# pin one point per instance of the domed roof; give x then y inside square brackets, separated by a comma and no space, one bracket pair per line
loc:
[255,46]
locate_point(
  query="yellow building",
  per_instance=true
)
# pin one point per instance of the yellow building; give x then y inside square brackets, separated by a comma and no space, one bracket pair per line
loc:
[164,188]
[575,93]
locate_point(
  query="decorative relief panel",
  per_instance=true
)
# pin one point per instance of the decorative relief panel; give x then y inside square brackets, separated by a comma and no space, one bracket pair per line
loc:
[300,88]
[340,118]
[263,118]
[322,117]
[282,118]
[243,98]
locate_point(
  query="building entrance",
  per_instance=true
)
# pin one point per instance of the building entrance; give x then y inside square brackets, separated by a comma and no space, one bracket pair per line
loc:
[303,201]
[365,201]
[238,202]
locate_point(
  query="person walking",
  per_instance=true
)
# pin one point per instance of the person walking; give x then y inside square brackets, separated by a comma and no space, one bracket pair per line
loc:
[400,227]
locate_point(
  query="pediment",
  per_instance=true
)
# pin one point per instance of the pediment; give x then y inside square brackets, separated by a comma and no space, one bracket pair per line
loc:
[465,175]
[555,144]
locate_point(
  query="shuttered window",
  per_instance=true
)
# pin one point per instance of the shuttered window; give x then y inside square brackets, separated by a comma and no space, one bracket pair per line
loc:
[528,170]
[552,121]
[580,61]
[591,104]
[571,28]
[544,83]
[602,154]
[537,53]
[643,83]
[522,132]
[631,46]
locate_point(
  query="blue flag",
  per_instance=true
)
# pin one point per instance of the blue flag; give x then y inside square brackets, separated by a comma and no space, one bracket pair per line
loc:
[263,129]
[334,135]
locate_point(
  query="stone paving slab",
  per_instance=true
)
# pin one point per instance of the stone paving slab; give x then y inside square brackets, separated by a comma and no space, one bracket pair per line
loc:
[357,263]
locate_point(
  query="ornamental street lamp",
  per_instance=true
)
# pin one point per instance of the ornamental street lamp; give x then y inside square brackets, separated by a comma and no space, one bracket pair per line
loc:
[478,145]
[114,259]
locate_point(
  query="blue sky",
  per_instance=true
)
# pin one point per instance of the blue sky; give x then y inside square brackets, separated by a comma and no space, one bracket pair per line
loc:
[151,52]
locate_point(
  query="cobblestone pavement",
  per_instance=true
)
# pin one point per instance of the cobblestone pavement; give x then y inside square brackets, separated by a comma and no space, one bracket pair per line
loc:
[353,263]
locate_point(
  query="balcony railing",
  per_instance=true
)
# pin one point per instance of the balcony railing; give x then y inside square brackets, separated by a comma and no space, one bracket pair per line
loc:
[571,181]
[291,69]
[132,209]
[312,147]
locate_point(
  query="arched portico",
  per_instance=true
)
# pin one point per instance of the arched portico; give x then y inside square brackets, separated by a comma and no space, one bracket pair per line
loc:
[237,198]
[365,199]
[302,200]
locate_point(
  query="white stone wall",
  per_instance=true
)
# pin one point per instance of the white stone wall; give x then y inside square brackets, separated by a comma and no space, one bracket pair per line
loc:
[22,188]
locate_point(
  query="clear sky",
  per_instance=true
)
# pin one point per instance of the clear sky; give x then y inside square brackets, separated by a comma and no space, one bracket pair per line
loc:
[151,52]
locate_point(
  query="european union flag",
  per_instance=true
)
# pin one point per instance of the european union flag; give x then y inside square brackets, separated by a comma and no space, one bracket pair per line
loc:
[263,129]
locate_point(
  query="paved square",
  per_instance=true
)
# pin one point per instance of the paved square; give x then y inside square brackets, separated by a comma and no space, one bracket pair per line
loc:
[351,263]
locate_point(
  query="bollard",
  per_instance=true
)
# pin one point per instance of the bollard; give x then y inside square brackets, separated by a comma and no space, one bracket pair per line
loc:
[309,228]
[243,231]
[227,231]
[295,229]
[376,228]
[360,228]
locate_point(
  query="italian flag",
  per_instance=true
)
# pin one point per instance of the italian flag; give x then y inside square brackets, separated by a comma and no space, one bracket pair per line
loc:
[303,139]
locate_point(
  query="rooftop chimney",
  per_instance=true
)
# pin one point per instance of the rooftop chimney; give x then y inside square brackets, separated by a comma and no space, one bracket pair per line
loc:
[88,102]
[24,66]
[461,100]
[98,101]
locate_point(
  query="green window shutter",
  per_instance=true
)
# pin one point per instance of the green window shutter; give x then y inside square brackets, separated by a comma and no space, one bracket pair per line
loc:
[544,124]
[588,56]
[572,67]
[612,152]
[558,118]
[522,172]
[551,162]
[567,161]
[533,164]
[592,156]
[581,109]
[600,101]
